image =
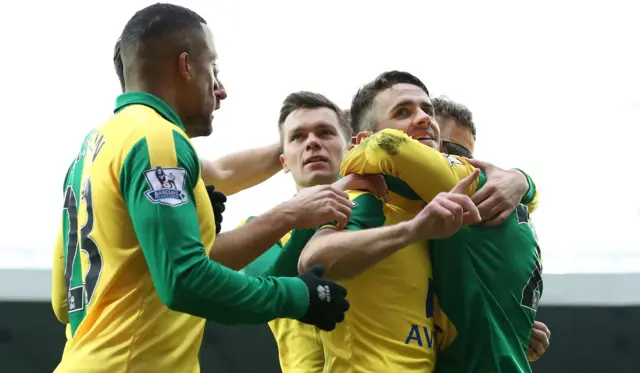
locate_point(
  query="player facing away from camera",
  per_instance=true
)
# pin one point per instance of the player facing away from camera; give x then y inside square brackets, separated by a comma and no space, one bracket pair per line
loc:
[137,224]
[385,266]
[494,270]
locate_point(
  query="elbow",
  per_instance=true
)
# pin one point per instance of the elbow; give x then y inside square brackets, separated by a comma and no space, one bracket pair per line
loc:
[310,259]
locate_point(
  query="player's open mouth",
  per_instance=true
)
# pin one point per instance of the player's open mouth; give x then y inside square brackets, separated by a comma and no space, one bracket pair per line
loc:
[316,159]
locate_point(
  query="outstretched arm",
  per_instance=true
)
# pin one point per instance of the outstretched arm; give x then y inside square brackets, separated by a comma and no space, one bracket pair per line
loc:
[428,172]
[242,170]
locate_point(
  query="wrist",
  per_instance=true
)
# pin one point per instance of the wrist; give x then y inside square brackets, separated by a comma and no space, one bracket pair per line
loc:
[284,216]
[522,181]
[408,232]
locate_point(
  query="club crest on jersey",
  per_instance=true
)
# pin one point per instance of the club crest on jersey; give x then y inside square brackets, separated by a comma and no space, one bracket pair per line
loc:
[167,186]
[453,160]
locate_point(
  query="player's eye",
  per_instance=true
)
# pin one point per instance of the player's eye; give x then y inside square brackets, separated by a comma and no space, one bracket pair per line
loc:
[296,137]
[403,112]
[326,133]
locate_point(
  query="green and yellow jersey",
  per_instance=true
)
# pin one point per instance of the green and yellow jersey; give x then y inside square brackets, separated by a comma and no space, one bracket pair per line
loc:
[496,272]
[132,277]
[299,345]
[390,324]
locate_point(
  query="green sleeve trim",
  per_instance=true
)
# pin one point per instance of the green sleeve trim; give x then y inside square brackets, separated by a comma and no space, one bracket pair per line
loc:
[185,279]
[286,263]
[400,188]
[531,192]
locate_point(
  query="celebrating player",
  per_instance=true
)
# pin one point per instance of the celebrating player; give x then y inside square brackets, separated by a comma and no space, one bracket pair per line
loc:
[137,222]
[494,271]
[384,265]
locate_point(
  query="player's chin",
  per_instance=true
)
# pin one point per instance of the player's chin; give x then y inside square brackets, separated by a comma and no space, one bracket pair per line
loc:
[321,177]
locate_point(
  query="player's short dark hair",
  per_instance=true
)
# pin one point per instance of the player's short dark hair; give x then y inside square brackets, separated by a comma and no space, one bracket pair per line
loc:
[117,64]
[310,100]
[445,107]
[362,103]
[455,149]
[160,27]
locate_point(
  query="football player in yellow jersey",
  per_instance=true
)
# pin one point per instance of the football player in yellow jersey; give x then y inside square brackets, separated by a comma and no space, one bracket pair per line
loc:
[137,222]
[314,135]
[234,172]
[385,266]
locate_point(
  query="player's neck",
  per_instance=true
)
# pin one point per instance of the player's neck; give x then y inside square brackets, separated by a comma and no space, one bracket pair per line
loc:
[165,95]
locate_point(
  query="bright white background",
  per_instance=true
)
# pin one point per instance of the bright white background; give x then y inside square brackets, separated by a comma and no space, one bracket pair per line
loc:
[553,87]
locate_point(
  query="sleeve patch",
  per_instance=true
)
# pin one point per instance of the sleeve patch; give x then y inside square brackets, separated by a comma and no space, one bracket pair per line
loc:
[166,186]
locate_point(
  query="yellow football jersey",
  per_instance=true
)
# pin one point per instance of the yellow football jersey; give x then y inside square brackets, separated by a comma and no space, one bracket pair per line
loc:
[130,264]
[299,345]
[390,325]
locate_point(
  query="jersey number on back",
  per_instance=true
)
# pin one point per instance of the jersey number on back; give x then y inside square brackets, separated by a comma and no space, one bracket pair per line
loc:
[79,290]
[531,292]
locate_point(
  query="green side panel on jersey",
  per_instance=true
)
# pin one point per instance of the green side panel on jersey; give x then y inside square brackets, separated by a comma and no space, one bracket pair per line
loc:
[480,276]
[75,294]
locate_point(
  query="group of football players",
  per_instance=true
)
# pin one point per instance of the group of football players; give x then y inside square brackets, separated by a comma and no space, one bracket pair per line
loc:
[434,250]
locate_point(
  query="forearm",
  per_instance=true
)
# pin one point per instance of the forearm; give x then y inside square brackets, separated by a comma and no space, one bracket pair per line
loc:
[238,171]
[187,281]
[392,152]
[345,254]
[241,246]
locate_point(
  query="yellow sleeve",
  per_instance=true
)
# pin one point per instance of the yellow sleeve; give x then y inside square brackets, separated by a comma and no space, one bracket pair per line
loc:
[58,283]
[392,152]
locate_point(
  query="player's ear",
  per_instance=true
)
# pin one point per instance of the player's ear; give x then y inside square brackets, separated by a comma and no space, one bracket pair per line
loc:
[184,69]
[362,135]
[284,164]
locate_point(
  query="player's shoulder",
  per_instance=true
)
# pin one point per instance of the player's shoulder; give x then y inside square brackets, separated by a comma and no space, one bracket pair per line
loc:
[364,203]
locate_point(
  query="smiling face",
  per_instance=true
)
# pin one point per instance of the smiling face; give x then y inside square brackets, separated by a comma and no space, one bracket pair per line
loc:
[313,145]
[408,108]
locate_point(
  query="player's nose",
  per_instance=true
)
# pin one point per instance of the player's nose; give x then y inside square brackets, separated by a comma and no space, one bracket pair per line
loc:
[313,142]
[219,90]
[422,119]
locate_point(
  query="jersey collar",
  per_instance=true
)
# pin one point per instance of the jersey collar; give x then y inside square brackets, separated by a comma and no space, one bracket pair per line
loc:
[147,99]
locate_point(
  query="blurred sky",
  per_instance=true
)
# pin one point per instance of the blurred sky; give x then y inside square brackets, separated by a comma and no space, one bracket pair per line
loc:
[553,86]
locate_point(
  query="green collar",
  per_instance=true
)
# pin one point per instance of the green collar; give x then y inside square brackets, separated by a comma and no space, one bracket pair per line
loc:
[147,99]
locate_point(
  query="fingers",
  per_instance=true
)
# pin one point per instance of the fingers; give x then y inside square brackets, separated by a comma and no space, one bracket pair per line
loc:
[462,200]
[339,192]
[478,164]
[499,219]
[454,211]
[466,183]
